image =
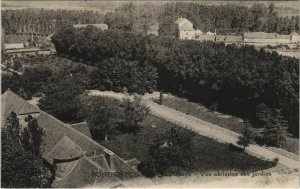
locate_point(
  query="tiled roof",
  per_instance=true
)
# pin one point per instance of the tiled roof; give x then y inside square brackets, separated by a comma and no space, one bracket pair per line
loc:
[101,161]
[83,128]
[181,20]
[184,24]
[10,102]
[65,149]
[82,175]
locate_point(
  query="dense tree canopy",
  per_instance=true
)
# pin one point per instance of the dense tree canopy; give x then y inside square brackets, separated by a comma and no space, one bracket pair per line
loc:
[61,97]
[101,115]
[237,78]
[25,85]
[172,150]
[135,112]
[21,167]
[226,19]
[41,21]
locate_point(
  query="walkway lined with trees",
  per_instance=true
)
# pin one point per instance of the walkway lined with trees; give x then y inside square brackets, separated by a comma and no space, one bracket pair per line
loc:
[204,128]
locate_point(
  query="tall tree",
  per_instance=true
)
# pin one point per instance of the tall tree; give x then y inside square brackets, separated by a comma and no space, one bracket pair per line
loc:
[274,133]
[172,149]
[20,168]
[100,114]
[61,97]
[135,112]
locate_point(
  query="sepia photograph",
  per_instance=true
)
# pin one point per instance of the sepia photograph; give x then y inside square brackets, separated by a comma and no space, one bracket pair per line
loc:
[150,94]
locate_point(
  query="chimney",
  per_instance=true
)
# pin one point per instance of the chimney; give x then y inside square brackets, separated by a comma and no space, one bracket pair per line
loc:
[109,156]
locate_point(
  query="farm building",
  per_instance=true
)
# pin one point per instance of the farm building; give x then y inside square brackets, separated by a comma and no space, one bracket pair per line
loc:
[78,160]
[9,46]
[185,29]
[23,52]
[100,26]
[205,37]
[266,38]
[234,39]
[295,38]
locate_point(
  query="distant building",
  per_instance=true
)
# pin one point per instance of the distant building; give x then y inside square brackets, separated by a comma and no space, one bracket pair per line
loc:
[229,38]
[24,52]
[153,29]
[211,33]
[266,38]
[100,26]
[295,37]
[205,37]
[13,46]
[185,29]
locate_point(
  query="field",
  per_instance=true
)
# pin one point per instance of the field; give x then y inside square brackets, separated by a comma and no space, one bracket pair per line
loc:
[208,155]
[227,121]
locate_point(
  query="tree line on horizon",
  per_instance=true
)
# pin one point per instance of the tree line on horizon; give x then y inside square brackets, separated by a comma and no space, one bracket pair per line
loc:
[45,22]
[225,19]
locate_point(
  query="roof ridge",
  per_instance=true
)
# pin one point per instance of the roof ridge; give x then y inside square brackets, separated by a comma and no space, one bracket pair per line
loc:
[78,132]
[50,151]
[104,159]
[92,162]
[73,124]
[9,91]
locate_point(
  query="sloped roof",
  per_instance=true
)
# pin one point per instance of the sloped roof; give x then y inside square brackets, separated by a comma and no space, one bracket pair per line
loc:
[181,20]
[186,27]
[28,108]
[82,175]
[56,129]
[184,24]
[49,37]
[83,128]
[133,162]
[101,161]
[65,168]
[65,149]
[10,102]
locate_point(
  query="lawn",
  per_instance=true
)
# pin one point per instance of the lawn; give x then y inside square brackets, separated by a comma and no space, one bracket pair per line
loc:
[208,155]
[55,64]
[229,122]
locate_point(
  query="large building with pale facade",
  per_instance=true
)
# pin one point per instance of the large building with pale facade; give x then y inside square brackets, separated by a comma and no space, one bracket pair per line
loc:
[187,31]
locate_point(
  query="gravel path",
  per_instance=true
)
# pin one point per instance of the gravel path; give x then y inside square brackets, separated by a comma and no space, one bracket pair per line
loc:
[204,128]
